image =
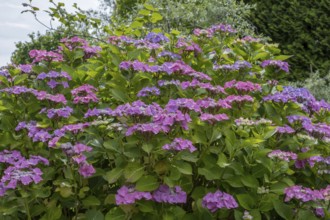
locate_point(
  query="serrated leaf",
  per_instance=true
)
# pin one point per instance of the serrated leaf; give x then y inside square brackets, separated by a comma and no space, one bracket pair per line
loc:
[183,167]
[246,201]
[285,211]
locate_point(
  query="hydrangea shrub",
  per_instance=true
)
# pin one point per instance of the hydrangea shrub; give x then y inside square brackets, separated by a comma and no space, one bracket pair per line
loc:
[165,126]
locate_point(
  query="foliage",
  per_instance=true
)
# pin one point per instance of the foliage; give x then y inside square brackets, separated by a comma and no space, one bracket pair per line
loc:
[319,86]
[187,15]
[47,41]
[301,28]
[150,126]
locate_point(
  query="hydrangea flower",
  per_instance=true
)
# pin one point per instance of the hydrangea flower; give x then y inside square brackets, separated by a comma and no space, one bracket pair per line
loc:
[180,144]
[147,91]
[128,195]
[219,200]
[282,155]
[303,194]
[276,63]
[43,55]
[156,37]
[213,118]
[64,112]
[19,170]
[165,194]
[84,94]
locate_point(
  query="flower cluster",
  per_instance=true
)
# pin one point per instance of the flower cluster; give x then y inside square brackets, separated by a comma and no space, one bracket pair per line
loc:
[124,40]
[156,37]
[64,112]
[147,91]
[180,144]
[84,94]
[238,65]
[317,130]
[276,63]
[164,194]
[34,132]
[43,55]
[188,46]
[243,86]
[249,122]
[283,155]
[75,153]
[303,194]
[78,43]
[218,200]
[169,54]
[286,129]
[19,170]
[213,118]
[53,76]
[300,96]
[25,68]
[209,32]
[167,67]
[40,95]
[128,195]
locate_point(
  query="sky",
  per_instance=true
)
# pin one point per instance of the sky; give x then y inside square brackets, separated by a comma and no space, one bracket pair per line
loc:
[15,27]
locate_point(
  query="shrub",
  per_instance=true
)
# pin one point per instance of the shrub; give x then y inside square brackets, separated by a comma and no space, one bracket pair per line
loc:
[301,28]
[161,126]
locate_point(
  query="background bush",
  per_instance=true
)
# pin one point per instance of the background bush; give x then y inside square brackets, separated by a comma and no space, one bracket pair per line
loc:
[302,28]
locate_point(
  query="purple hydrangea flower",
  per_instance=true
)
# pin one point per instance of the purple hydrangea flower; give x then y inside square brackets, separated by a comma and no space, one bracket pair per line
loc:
[25,68]
[180,144]
[43,55]
[84,94]
[156,37]
[282,155]
[213,118]
[128,195]
[147,91]
[286,129]
[243,86]
[86,170]
[303,194]
[276,63]
[165,194]
[219,200]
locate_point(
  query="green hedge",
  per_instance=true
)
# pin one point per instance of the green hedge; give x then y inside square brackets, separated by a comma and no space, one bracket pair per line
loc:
[301,27]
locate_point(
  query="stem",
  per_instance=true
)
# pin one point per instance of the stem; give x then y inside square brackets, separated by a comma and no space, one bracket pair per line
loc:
[26,205]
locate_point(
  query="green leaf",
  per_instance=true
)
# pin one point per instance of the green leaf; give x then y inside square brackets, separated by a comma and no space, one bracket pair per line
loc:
[147,183]
[306,215]
[133,172]
[115,214]
[144,12]
[20,78]
[246,201]
[183,167]
[250,181]
[94,215]
[119,95]
[222,160]
[91,201]
[282,57]
[262,56]
[149,7]
[136,24]
[285,211]
[156,17]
